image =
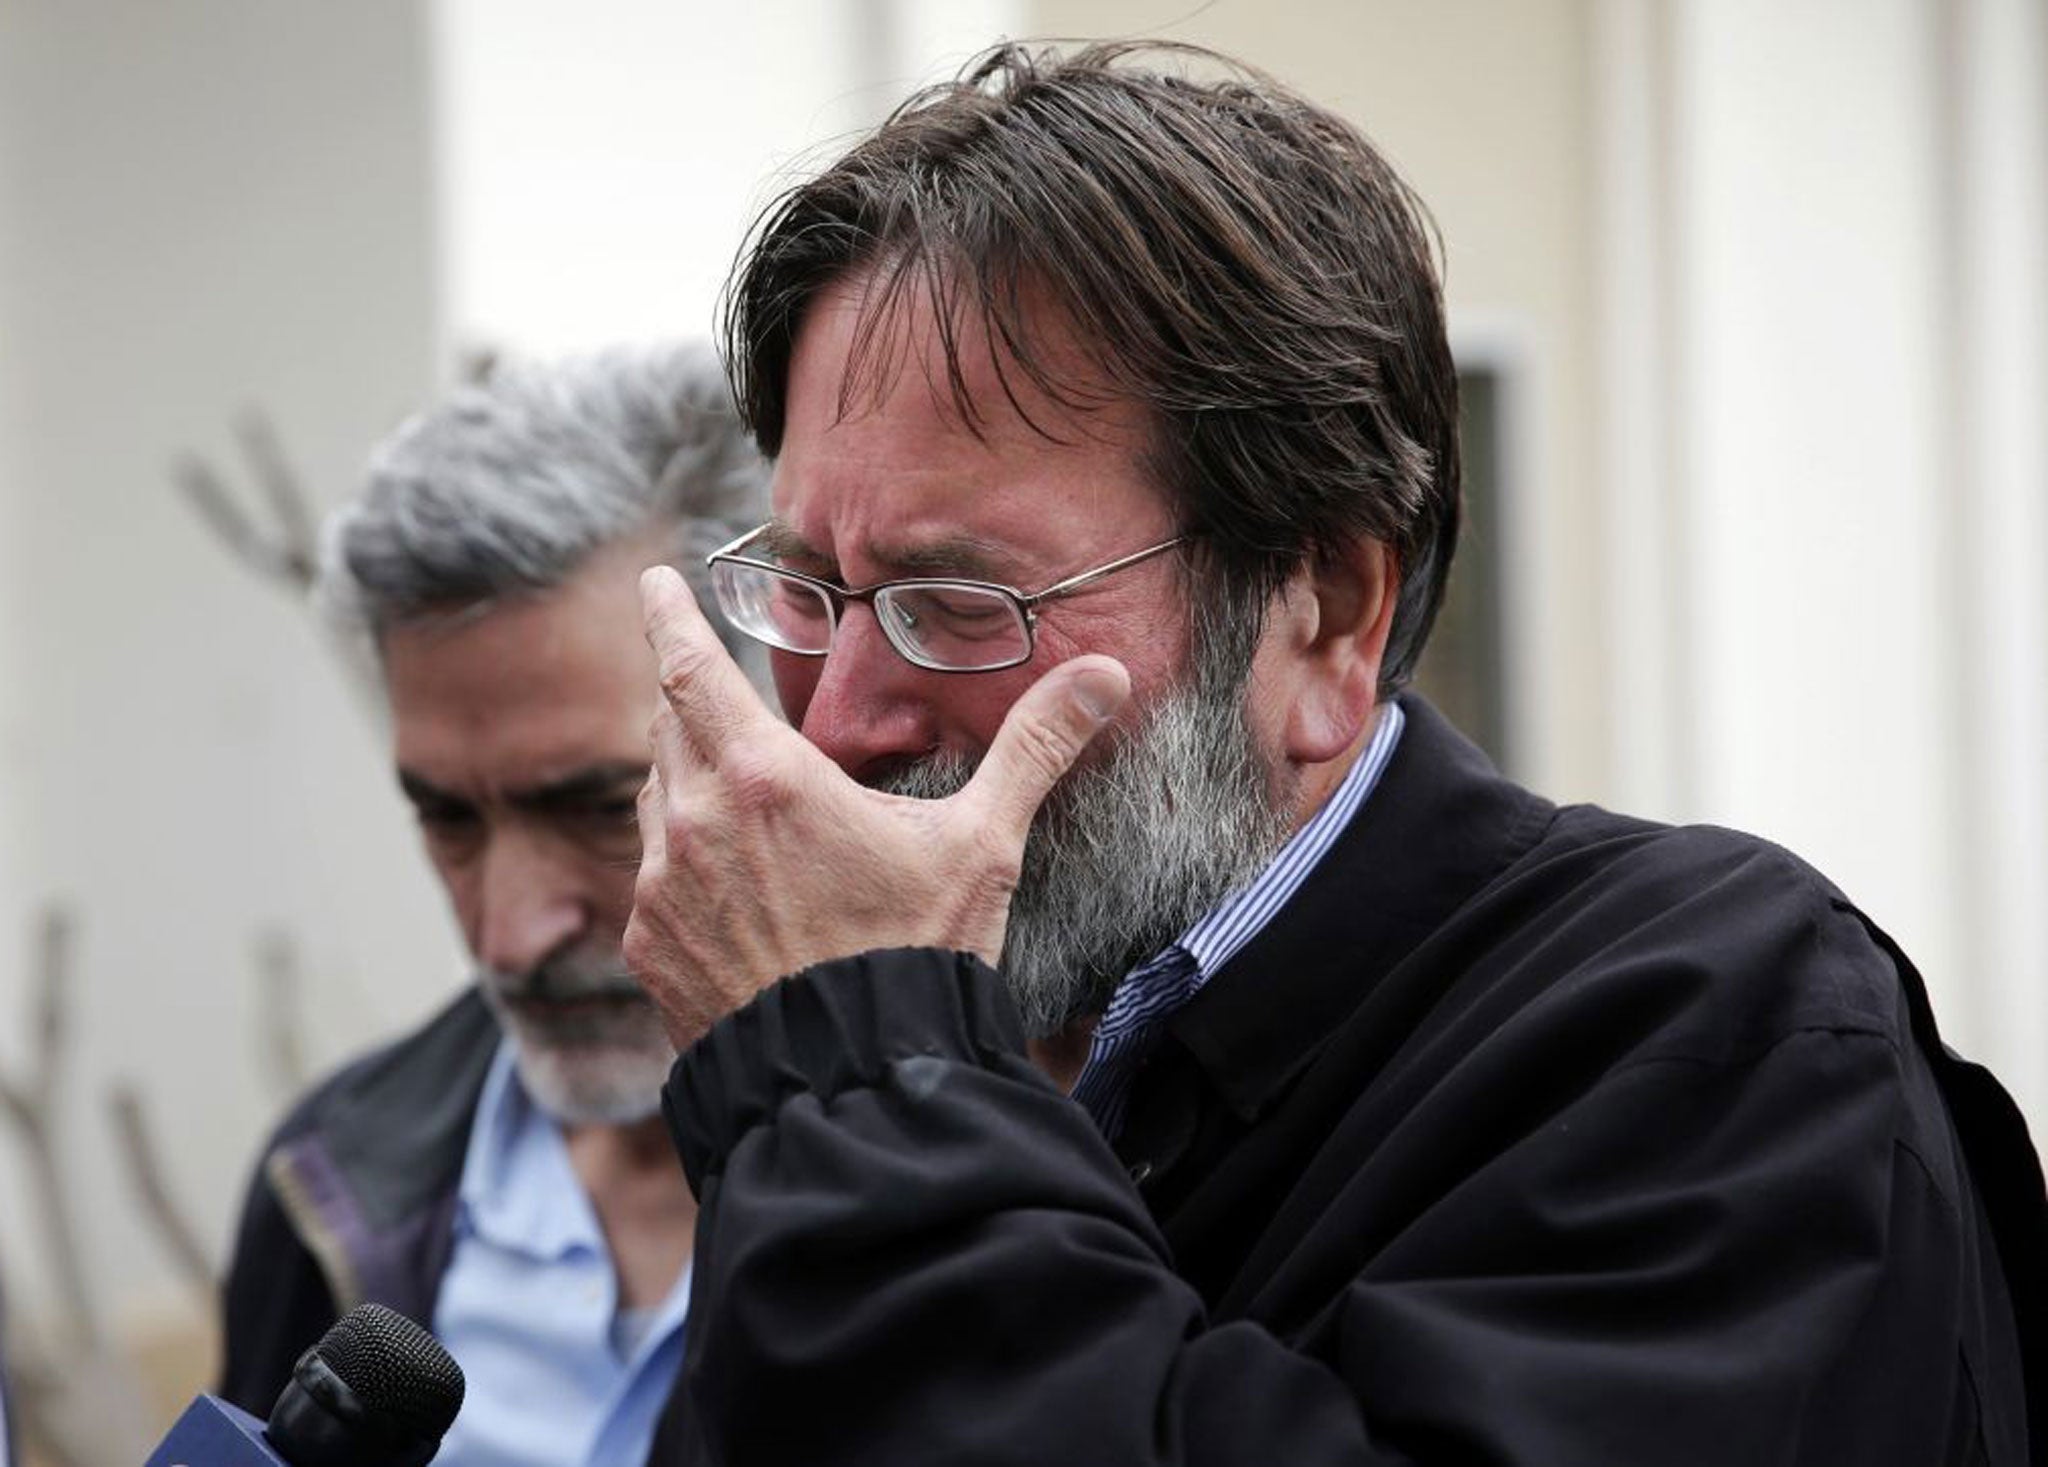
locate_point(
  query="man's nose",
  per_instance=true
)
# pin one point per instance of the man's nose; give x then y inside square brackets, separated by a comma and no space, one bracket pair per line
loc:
[869,708]
[531,907]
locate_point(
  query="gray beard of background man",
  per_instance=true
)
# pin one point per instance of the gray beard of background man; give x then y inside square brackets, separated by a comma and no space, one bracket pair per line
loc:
[1130,850]
[589,1044]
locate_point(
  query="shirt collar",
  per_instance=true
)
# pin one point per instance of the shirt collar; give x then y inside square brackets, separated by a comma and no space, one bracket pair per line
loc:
[1223,933]
[1441,823]
[1151,994]
[518,1190]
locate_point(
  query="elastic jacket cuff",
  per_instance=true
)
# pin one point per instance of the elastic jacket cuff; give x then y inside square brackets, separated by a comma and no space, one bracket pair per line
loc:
[831,1028]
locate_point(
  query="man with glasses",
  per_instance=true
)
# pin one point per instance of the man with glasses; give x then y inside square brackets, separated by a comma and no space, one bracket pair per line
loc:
[1120,1024]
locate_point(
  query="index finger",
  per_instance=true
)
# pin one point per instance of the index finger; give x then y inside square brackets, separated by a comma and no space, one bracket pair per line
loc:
[712,699]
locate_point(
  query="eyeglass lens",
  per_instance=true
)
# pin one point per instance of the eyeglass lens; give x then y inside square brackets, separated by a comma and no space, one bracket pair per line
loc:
[952,626]
[958,627]
[780,611]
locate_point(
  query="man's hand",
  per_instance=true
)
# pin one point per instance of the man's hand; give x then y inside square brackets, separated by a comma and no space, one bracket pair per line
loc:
[759,857]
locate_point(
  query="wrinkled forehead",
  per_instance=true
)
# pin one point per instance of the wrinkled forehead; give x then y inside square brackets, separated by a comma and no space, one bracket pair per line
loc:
[912,432]
[997,359]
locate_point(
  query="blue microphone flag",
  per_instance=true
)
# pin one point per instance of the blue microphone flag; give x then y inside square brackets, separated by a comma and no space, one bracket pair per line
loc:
[215,1433]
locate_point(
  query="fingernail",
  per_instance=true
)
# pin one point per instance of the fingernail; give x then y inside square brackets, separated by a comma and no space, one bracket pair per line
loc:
[1100,693]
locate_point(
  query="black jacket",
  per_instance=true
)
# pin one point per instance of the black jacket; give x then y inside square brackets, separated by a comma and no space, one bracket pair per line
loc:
[354,1201]
[1524,1135]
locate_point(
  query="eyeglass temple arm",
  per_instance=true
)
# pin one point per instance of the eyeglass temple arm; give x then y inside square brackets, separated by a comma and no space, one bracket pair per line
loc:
[1075,583]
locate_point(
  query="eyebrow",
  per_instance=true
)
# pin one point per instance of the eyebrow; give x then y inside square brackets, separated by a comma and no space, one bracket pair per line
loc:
[968,557]
[583,786]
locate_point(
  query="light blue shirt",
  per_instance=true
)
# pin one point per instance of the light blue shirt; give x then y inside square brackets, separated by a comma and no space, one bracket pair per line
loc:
[556,1377]
[1158,988]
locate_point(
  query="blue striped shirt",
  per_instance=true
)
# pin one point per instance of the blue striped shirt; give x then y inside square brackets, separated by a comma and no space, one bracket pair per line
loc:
[1154,991]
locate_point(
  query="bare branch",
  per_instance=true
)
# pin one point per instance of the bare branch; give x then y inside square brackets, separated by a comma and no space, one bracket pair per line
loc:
[52,1025]
[286,548]
[209,496]
[15,1103]
[477,365]
[78,1410]
[296,545]
[142,1161]
[281,543]
[37,1384]
[32,1109]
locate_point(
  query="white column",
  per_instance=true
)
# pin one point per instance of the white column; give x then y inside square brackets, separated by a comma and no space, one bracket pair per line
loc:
[1807,322]
[1998,55]
[1643,474]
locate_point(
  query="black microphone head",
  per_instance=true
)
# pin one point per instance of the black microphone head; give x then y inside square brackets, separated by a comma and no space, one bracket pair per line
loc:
[377,1391]
[397,1370]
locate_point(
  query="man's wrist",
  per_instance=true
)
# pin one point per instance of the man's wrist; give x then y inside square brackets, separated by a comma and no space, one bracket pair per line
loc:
[836,1026]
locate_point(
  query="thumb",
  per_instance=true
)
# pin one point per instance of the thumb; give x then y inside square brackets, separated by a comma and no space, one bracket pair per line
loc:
[1043,734]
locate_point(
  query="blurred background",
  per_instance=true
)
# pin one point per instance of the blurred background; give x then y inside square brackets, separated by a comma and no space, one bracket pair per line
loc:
[1751,297]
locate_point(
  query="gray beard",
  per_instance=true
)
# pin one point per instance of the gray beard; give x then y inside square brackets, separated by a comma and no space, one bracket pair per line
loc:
[589,1044]
[1130,849]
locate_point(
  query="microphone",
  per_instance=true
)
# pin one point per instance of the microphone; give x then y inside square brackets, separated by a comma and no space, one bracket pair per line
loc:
[377,1391]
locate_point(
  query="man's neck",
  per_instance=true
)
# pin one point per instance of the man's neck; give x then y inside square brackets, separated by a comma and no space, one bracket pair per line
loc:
[643,1203]
[1063,1055]
[1313,784]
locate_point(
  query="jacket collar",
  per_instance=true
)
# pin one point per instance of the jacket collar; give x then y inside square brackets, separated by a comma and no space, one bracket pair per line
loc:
[1440,825]
[397,1128]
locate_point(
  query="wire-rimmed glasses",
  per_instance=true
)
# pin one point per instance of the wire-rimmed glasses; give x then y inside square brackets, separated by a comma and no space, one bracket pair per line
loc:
[943,623]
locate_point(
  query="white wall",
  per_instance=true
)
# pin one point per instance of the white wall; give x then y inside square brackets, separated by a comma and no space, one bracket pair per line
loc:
[600,162]
[203,207]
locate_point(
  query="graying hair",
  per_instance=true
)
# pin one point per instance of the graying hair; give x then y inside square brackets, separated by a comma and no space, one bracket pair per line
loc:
[509,486]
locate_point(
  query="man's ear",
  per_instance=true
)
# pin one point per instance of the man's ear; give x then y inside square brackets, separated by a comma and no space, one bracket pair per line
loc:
[1330,628]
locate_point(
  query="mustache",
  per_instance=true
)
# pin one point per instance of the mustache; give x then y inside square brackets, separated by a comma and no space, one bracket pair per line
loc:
[566,981]
[932,777]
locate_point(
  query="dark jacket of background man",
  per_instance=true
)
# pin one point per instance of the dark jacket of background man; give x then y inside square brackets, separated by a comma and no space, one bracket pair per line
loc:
[355,1200]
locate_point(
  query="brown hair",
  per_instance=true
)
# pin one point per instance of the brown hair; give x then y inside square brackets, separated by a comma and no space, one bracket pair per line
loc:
[1240,260]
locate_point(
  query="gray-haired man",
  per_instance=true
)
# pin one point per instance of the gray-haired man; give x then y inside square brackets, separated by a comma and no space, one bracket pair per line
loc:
[503,1174]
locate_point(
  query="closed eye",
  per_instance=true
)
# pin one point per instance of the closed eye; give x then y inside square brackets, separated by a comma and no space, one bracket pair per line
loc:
[436,808]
